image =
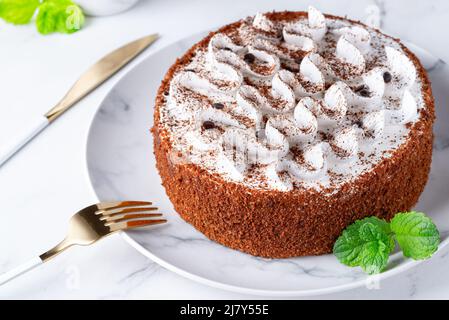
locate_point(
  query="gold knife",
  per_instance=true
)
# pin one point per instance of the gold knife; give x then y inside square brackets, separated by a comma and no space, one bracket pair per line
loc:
[90,80]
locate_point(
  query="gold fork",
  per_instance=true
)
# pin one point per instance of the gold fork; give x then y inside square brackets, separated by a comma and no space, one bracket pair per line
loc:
[92,224]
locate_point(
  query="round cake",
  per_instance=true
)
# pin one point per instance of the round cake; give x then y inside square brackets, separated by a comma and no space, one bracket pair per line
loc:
[276,132]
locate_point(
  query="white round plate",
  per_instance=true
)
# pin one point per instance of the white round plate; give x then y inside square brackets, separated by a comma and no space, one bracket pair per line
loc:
[121,166]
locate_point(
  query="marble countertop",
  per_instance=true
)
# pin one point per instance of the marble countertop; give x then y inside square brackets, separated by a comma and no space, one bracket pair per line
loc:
[45,183]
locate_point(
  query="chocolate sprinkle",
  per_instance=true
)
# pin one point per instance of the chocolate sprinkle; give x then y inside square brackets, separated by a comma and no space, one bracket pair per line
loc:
[207,125]
[365,93]
[249,58]
[218,106]
[359,123]
[362,87]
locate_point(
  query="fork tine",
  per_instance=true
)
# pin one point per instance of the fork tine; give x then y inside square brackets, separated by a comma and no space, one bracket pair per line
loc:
[114,212]
[121,204]
[116,218]
[126,225]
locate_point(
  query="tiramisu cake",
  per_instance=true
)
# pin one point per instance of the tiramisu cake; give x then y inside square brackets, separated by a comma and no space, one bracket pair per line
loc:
[276,132]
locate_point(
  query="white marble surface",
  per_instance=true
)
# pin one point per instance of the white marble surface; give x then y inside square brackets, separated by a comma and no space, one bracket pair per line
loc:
[43,185]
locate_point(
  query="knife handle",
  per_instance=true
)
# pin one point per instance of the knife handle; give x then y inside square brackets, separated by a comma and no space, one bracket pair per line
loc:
[23,268]
[17,142]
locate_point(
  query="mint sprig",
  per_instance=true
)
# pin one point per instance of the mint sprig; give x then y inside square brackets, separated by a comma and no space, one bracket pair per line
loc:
[18,11]
[59,16]
[62,16]
[368,243]
[417,235]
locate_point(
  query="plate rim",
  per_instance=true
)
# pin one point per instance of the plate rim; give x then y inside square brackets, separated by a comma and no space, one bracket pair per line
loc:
[264,292]
[407,265]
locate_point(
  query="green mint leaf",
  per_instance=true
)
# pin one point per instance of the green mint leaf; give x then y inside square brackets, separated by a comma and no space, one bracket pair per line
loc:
[59,16]
[367,244]
[18,11]
[417,235]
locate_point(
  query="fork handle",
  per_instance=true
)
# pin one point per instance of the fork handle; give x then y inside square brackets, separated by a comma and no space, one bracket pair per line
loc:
[33,263]
[23,268]
[18,142]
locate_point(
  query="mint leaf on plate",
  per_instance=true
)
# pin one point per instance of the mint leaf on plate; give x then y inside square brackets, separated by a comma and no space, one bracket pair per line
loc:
[18,11]
[367,243]
[59,16]
[417,235]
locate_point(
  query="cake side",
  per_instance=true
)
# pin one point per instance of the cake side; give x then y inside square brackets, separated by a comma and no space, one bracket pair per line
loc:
[277,224]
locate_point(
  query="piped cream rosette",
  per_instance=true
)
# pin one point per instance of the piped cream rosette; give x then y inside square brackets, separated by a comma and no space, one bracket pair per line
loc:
[313,30]
[404,76]
[281,128]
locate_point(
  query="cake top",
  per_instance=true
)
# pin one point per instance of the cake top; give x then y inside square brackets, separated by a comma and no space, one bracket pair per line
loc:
[282,105]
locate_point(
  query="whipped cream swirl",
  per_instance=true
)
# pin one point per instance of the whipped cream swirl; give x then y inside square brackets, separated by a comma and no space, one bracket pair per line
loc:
[309,103]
